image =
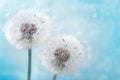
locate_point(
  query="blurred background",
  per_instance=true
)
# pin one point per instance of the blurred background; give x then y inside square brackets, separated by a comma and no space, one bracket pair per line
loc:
[96,23]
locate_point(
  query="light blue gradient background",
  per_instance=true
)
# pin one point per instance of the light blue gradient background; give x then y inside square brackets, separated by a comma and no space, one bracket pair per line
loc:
[96,23]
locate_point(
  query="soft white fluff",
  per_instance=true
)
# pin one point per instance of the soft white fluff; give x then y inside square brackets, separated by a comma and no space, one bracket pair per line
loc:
[65,42]
[13,26]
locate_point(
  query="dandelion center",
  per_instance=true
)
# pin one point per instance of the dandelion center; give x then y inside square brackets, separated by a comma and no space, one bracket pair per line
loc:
[62,55]
[28,30]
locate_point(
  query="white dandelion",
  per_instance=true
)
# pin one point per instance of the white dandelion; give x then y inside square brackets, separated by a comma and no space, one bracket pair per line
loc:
[27,29]
[62,55]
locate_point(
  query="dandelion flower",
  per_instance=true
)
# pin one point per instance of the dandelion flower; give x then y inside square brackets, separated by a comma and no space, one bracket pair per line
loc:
[27,28]
[62,55]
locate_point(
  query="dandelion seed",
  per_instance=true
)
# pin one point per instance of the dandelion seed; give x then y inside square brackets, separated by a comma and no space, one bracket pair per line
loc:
[27,29]
[59,58]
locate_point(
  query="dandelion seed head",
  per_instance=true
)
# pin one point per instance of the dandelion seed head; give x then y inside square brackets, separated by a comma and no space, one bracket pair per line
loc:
[62,54]
[27,28]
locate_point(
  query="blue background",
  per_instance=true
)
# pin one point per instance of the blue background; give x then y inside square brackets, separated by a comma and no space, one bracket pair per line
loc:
[96,23]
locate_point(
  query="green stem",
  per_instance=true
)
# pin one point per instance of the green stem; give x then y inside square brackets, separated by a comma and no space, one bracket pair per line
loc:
[29,64]
[55,76]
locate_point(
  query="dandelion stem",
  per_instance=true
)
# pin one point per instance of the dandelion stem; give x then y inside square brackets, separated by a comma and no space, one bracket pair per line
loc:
[55,76]
[29,64]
